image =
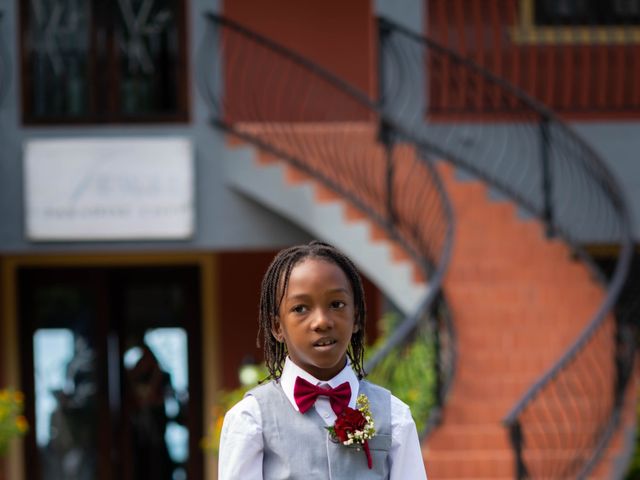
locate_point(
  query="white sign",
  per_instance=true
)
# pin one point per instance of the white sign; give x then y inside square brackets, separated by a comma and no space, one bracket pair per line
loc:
[109,189]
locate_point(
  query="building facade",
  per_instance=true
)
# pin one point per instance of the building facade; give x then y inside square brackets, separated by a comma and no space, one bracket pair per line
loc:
[130,264]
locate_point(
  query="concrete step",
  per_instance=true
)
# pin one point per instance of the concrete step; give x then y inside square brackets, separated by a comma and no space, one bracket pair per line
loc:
[380,261]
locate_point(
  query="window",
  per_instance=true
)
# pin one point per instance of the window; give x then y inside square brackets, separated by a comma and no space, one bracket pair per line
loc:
[577,22]
[587,12]
[88,61]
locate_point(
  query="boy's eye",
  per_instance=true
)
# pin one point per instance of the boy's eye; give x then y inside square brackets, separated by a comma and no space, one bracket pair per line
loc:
[299,309]
[338,304]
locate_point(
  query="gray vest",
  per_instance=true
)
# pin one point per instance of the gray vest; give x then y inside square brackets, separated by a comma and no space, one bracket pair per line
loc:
[298,446]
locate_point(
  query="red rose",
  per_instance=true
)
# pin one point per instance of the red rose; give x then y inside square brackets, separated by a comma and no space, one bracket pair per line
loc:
[349,421]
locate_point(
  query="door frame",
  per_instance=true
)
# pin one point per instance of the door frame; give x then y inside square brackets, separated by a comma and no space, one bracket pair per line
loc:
[210,346]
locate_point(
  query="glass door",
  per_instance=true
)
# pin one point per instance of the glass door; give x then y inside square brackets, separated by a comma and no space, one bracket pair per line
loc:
[153,313]
[111,362]
[63,324]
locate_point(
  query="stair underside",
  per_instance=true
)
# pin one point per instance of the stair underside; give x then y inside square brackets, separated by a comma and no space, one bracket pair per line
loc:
[304,201]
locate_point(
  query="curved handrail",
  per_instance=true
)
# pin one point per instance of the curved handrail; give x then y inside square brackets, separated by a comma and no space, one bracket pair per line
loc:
[564,183]
[286,105]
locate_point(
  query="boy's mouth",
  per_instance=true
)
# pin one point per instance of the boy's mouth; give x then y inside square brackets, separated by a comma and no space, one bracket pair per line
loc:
[325,342]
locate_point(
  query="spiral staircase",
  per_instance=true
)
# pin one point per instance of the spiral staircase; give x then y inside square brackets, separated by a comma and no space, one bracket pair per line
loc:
[533,368]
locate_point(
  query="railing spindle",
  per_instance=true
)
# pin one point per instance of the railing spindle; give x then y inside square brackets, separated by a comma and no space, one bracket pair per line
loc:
[547,184]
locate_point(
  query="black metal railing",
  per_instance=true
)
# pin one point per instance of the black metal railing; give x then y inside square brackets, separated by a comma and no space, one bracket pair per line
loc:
[560,427]
[273,98]
[403,371]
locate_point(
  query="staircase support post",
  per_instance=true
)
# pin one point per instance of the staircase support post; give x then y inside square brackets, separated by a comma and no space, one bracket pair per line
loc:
[387,141]
[436,335]
[385,136]
[515,433]
[547,185]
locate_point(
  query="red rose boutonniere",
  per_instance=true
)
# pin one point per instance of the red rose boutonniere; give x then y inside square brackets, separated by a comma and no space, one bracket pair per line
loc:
[354,427]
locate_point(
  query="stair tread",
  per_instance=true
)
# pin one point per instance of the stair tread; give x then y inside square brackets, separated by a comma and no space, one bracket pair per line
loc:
[519,300]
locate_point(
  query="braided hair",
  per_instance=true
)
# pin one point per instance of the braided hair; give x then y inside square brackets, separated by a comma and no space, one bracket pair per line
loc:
[274,287]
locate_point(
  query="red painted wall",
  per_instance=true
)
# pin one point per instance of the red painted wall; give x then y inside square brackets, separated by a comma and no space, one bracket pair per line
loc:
[239,278]
[337,35]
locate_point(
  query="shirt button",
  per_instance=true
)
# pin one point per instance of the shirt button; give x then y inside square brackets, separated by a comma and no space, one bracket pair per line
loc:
[325,415]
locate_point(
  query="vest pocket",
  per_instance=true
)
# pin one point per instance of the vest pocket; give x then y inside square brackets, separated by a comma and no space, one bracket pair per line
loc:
[380,441]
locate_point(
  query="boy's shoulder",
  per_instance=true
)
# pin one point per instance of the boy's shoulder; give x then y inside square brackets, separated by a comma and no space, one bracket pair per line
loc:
[397,405]
[372,387]
[263,389]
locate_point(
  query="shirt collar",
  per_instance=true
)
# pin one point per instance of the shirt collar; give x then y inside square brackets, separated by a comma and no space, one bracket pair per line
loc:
[291,371]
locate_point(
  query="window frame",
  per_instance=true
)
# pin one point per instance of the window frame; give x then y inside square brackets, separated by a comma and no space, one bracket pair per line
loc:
[527,32]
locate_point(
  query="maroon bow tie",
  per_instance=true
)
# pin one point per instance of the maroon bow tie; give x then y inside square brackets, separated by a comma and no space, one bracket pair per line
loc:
[305,395]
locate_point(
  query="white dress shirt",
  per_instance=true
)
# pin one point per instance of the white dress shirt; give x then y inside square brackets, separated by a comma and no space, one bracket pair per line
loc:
[241,444]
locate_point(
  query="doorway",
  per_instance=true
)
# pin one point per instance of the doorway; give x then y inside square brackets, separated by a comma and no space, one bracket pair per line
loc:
[111,367]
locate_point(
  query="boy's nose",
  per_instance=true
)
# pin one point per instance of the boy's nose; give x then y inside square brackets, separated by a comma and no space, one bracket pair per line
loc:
[321,320]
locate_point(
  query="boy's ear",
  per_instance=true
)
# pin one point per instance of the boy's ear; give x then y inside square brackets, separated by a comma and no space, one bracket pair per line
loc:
[276,329]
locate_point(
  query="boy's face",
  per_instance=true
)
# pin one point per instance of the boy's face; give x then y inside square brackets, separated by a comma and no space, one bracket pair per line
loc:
[316,318]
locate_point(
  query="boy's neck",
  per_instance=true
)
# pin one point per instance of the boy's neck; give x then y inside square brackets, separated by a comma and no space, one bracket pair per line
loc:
[311,377]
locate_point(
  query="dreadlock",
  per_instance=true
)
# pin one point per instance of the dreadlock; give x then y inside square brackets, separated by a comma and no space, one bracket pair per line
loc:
[274,287]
